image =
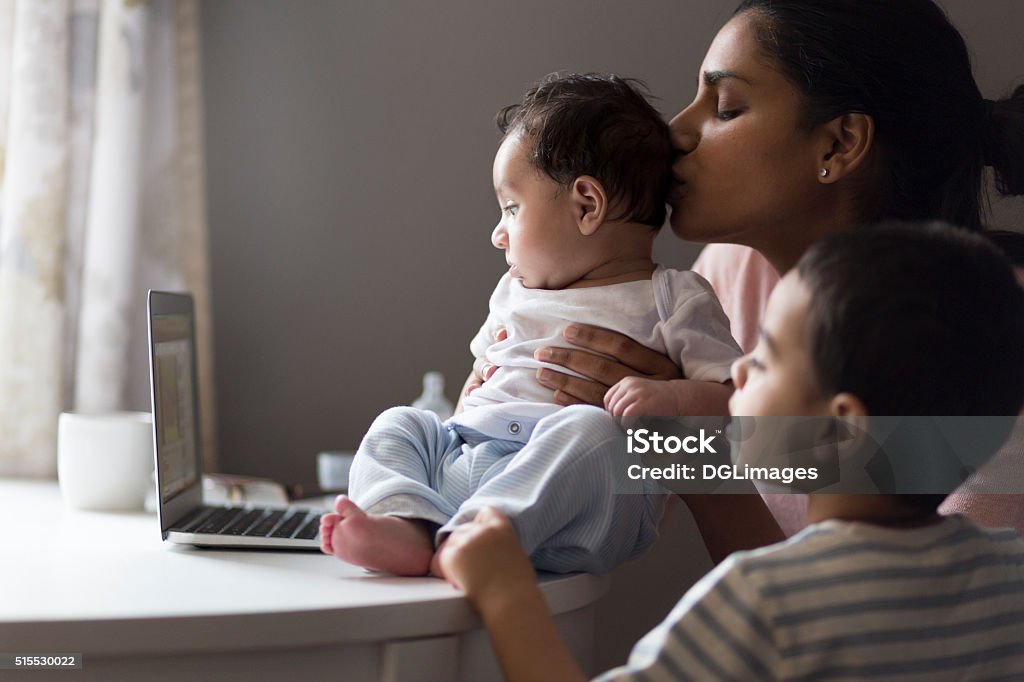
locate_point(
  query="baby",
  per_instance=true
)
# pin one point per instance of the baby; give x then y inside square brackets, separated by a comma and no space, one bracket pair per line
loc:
[581,177]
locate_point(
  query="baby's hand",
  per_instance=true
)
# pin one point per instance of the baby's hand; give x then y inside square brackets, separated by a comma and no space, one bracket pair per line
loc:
[636,397]
[483,370]
[483,558]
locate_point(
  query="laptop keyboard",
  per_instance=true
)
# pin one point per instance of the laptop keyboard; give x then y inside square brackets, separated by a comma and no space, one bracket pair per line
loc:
[252,522]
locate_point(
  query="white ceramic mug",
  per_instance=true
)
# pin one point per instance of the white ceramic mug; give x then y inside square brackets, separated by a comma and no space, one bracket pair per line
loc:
[105,459]
[332,470]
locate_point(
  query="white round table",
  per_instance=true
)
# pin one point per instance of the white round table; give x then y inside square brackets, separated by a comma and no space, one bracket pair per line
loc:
[106,586]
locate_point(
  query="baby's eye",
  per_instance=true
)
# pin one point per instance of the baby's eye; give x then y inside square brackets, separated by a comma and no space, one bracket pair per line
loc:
[728,114]
[754,364]
[511,209]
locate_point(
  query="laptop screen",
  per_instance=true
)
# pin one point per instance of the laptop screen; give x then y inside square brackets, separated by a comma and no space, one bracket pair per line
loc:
[174,402]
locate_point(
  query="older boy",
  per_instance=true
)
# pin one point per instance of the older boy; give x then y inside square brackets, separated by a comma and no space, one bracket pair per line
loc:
[877,586]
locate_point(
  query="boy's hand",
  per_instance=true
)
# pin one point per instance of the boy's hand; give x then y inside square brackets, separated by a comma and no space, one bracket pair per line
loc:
[635,397]
[483,558]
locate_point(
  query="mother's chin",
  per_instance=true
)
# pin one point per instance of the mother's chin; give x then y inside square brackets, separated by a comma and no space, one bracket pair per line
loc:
[682,220]
[687,228]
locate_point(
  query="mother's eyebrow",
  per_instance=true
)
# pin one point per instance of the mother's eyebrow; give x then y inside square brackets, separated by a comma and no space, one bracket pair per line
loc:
[711,78]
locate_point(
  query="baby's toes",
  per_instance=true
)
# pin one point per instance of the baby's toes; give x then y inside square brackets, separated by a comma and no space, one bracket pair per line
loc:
[346,508]
[327,525]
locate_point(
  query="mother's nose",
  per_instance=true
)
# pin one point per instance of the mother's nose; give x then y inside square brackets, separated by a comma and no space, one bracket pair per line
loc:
[683,131]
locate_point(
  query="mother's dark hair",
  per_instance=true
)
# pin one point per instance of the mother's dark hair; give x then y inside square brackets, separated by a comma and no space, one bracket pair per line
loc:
[904,64]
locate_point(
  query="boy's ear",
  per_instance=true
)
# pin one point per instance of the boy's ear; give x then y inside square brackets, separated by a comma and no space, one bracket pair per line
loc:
[854,441]
[590,203]
[847,141]
[847,405]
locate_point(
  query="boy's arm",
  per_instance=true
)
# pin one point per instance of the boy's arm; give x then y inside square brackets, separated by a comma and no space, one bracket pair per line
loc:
[719,629]
[484,559]
[524,638]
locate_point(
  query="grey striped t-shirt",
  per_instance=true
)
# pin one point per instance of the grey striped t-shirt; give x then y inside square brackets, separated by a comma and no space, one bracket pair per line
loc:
[845,600]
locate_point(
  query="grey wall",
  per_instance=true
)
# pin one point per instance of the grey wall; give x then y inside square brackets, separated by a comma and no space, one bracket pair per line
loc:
[349,150]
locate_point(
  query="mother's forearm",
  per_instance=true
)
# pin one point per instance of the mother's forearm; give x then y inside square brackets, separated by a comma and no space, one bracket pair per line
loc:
[729,523]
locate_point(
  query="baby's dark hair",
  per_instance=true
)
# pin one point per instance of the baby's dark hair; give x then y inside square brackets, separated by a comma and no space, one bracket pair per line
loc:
[603,126]
[916,319]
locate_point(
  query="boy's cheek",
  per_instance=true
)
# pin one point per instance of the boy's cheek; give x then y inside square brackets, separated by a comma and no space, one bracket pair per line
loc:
[736,402]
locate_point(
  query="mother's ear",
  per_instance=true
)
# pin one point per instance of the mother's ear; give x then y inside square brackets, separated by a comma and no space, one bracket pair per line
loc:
[590,203]
[847,141]
[847,405]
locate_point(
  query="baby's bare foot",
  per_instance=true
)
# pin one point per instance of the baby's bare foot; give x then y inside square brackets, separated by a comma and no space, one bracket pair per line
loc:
[327,524]
[380,543]
[435,565]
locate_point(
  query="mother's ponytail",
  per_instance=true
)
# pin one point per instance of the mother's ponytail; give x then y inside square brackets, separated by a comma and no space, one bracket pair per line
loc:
[1004,141]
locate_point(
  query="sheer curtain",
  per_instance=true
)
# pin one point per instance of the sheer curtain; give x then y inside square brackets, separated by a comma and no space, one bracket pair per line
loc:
[101,197]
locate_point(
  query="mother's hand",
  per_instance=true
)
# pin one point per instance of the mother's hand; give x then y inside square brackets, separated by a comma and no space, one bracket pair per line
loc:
[631,359]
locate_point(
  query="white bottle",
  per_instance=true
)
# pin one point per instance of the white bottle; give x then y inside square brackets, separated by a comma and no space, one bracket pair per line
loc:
[433,399]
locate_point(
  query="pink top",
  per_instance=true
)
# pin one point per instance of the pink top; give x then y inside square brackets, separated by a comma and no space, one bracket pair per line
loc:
[743,280]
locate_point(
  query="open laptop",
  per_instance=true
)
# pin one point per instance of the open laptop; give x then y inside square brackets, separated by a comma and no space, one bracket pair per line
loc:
[184,518]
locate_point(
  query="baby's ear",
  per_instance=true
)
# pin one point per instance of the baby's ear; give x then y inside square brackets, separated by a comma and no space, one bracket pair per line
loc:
[590,203]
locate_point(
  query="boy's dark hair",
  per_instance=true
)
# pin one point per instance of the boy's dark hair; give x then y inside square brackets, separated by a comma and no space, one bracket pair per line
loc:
[602,126]
[916,319]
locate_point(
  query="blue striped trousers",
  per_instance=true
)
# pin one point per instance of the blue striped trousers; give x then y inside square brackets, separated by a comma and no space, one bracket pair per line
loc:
[558,489]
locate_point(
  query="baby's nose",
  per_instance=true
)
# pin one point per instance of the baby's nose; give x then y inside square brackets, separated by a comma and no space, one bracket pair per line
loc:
[499,237]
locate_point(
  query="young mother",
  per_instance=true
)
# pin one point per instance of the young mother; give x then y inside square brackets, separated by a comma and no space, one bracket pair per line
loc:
[811,116]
